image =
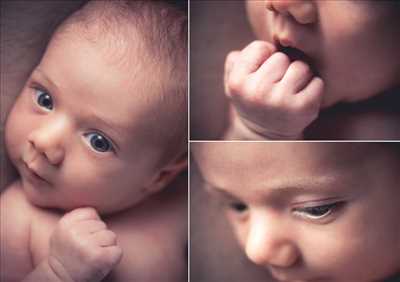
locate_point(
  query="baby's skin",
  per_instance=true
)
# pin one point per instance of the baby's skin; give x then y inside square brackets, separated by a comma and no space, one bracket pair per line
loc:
[98,195]
[138,244]
[312,57]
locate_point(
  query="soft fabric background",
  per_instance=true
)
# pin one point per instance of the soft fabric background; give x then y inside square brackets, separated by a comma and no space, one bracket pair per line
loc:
[216,27]
[26,27]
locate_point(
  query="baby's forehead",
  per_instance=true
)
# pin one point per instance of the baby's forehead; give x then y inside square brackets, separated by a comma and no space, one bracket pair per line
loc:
[273,154]
[256,162]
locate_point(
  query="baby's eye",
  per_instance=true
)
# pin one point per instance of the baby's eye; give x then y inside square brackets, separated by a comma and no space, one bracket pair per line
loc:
[238,207]
[98,142]
[317,212]
[43,99]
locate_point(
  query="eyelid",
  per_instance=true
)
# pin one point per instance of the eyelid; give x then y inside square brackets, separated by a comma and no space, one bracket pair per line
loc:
[38,86]
[335,206]
[237,206]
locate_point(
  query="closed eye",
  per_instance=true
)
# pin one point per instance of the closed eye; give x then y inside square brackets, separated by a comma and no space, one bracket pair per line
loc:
[238,207]
[317,212]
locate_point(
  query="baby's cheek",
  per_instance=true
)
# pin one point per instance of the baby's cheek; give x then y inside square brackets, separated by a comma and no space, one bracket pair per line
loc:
[259,19]
[345,254]
[16,130]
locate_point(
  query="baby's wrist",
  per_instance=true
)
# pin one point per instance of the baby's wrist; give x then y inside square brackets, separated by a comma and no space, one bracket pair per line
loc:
[251,131]
[58,270]
[44,272]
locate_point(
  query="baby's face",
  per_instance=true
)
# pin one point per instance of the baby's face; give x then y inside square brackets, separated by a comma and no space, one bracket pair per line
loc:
[352,45]
[310,212]
[79,131]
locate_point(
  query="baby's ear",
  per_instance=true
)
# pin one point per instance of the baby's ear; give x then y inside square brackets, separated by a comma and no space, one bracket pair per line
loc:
[169,172]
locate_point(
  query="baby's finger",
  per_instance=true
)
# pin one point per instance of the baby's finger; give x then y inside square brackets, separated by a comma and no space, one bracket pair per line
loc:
[80,214]
[113,254]
[104,238]
[229,62]
[90,226]
[273,69]
[311,96]
[252,57]
[297,77]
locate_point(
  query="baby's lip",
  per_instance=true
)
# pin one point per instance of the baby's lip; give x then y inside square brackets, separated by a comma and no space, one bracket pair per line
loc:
[296,275]
[35,174]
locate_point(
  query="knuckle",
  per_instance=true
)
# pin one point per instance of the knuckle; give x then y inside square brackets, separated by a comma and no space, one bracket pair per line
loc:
[260,46]
[306,106]
[320,84]
[282,58]
[112,236]
[231,57]
[235,84]
[300,67]
[89,211]
[259,92]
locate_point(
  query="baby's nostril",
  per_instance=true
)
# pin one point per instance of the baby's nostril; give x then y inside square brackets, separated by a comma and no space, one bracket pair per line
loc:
[270,7]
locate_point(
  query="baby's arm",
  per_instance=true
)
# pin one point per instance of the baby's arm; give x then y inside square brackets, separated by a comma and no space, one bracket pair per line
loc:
[81,246]
[15,259]
[272,97]
[81,249]
[81,239]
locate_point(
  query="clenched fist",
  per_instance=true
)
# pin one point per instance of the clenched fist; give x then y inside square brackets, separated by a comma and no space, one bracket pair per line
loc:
[82,248]
[272,96]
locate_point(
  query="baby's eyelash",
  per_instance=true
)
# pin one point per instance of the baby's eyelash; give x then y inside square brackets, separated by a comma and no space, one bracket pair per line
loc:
[37,86]
[238,207]
[318,212]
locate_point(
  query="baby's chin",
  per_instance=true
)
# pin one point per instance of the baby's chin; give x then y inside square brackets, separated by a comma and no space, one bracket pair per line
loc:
[64,206]
[332,97]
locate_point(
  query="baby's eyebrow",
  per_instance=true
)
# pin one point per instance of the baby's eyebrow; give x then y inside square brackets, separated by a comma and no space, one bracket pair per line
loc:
[117,130]
[217,190]
[44,76]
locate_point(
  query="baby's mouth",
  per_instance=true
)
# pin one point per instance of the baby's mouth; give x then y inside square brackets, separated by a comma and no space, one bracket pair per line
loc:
[296,54]
[32,174]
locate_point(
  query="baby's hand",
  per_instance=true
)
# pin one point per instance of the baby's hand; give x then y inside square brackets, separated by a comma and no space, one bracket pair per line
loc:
[82,248]
[274,98]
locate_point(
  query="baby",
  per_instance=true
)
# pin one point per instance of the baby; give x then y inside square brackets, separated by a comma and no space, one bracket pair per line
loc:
[99,137]
[310,211]
[319,71]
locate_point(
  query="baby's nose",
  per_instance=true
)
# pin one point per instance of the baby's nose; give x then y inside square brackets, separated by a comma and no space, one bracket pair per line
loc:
[267,244]
[48,140]
[303,11]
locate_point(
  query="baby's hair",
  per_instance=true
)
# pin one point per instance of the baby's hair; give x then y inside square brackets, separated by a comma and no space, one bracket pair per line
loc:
[159,30]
